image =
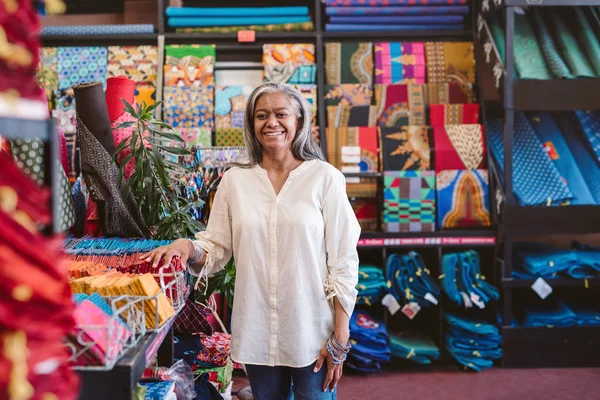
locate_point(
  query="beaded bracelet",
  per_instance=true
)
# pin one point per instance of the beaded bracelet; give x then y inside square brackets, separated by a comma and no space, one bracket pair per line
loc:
[337,351]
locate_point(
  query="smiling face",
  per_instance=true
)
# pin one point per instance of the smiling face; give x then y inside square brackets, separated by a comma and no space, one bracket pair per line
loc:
[275,122]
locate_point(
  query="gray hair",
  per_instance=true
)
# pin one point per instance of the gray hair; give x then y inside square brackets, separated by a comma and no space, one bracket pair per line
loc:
[303,146]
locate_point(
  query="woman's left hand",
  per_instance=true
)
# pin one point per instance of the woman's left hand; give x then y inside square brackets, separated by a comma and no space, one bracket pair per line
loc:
[334,372]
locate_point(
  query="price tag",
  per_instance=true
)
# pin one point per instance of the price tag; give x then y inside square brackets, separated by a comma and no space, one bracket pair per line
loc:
[541,287]
[476,299]
[391,303]
[466,300]
[411,309]
[429,297]
[246,36]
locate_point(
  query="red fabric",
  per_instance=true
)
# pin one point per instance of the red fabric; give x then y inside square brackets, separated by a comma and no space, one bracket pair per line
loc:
[438,114]
[446,156]
[215,349]
[118,88]
[457,94]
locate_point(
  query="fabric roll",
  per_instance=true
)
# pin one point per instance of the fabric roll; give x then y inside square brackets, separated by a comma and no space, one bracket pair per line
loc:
[462,199]
[497,30]
[234,11]
[233,21]
[459,147]
[536,181]
[405,148]
[409,201]
[79,30]
[584,158]
[118,89]
[557,149]
[453,114]
[529,60]
[379,27]
[294,27]
[120,214]
[551,53]
[348,63]
[399,20]
[92,110]
[78,65]
[399,10]
[353,3]
[348,94]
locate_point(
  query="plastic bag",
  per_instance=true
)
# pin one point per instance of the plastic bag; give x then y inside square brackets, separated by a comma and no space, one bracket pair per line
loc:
[180,373]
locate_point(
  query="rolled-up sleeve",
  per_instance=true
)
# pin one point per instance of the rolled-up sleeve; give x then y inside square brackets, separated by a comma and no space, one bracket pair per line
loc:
[216,240]
[342,232]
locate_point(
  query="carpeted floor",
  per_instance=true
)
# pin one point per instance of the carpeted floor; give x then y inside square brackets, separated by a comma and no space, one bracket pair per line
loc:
[494,384]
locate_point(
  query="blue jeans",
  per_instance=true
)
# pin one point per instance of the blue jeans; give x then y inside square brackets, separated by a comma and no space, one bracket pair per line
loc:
[278,383]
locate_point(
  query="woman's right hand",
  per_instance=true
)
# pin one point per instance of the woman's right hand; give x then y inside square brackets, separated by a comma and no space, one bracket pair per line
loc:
[183,248]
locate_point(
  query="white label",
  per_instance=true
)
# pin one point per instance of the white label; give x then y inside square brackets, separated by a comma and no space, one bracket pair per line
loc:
[391,303]
[352,180]
[542,288]
[476,299]
[351,151]
[46,367]
[466,300]
[429,297]
[411,309]
[350,159]
[350,169]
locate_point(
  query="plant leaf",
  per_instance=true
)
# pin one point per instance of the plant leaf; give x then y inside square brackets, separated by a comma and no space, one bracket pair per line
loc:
[126,125]
[174,150]
[169,135]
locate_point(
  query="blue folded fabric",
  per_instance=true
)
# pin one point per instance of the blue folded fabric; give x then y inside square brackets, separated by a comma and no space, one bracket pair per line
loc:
[369,339]
[461,273]
[547,262]
[590,124]
[408,10]
[235,11]
[233,21]
[562,157]
[379,27]
[549,314]
[400,20]
[461,339]
[371,285]
[365,328]
[410,280]
[79,30]
[472,326]
[536,181]
[584,158]
[586,315]
[416,348]
[473,344]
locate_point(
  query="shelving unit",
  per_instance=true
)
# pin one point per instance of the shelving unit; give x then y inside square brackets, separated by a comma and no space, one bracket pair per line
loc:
[532,346]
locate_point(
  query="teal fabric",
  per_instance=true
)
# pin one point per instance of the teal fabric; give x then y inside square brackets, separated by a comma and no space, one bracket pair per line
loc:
[587,36]
[529,60]
[371,285]
[416,348]
[553,58]
[473,344]
[409,279]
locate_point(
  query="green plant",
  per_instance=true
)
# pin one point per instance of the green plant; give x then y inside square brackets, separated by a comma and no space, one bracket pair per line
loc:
[154,183]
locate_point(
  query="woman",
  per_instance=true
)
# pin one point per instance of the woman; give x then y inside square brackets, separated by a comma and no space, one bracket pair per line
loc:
[287,220]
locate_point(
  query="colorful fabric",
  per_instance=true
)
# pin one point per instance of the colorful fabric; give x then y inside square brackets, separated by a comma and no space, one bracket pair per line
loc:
[392,103]
[348,63]
[343,116]
[145,94]
[229,137]
[290,27]
[450,62]
[309,92]
[462,199]
[81,30]
[446,93]
[366,213]
[82,64]
[459,147]
[409,201]
[362,188]
[555,62]
[47,73]
[400,63]
[189,65]
[195,136]
[220,377]
[529,60]
[348,94]
[188,107]
[230,106]
[387,3]
[590,124]
[215,350]
[399,10]
[353,149]
[453,114]
[158,390]
[290,63]
[138,63]
[406,148]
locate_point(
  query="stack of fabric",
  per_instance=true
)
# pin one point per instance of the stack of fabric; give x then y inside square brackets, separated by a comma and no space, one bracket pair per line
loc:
[369,341]
[37,311]
[232,19]
[92,30]
[474,344]
[410,280]
[230,108]
[560,313]
[371,285]
[164,390]
[396,15]
[553,43]
[463,282]
[417,348]
[214,361]
[292,63]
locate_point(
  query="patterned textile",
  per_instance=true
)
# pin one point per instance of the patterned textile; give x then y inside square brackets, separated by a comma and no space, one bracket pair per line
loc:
[555,62]
[189,65]
[366,213]
[192,319]
[81,64]
[309,92]
[453,114]
[590,123]
[353,149]
[408,10]
[29,156]
[529,61]
[188,107]
[405,148]
[459,147]
[145,93]
[362,187]
[348,63]
[341,116]
[81,30]
[400,63]
[229,137]
[348,94]
[290,27]
[215,349]
[409,201]
[536,180]
[446,93]
[290,63]
[158,390]
[450,62]
[230,106]
[47,74]
[138,63]
[387,3]
[462,199]
[121,134]
[392,103]
[195,136]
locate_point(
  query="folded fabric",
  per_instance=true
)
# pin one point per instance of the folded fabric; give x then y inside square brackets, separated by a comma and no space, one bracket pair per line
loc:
[549,314]
[450,62]
[215,349]
[453,114]
[293,27]
[187,348]
[189,65]
[547,262]
[233,21]
[414,347]
[364,328]
[472,343]
[590,124]
[391,20]
[370,273]
[348,63]
[529,60]
[79,30]
[409,201]
[188,107]
[138,63]
[555,62]
[348,94]
[230,105]
[158,390]
[470,325]
[399,10]
[292,63]
[82,64]
[463,282]
[586,315]
[460,339]
[462,199]
[405,148]
[371,285]
[536,179]
[369,341]
[379,27]
[459,147]
[353,149]
[410,280]
[234,11]
[401,63]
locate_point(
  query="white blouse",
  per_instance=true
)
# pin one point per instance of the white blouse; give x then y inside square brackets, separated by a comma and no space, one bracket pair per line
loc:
[293,253]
